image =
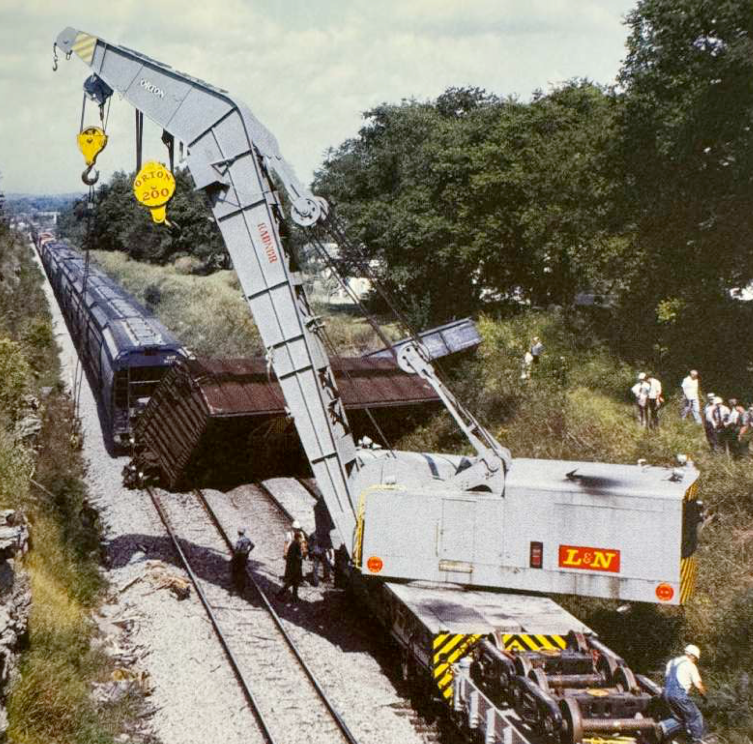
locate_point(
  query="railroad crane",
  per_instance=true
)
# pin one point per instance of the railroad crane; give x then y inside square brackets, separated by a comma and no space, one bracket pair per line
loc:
[447,547]
[486,520]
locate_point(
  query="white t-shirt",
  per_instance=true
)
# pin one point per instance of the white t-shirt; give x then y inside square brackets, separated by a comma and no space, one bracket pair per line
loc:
[640,391]
[685,671]
[690,388]
[655,388]
[711,415]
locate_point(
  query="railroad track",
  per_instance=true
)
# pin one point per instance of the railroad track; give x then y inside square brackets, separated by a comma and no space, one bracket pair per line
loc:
[282,692]
[426,717]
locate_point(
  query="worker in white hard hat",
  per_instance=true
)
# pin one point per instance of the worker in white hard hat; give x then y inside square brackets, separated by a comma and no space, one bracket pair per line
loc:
[680,676]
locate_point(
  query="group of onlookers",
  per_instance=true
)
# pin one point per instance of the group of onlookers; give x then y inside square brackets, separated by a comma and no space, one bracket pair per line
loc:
[726,425]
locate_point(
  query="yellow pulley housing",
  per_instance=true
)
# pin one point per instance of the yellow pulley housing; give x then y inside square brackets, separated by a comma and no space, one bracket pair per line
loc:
[91,142]
[153,187]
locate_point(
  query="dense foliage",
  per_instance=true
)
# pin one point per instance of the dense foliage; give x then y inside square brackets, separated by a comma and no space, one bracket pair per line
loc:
[641,193]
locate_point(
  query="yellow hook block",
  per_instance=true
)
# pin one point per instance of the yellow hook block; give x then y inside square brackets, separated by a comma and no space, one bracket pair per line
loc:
[153,187]
[91,142]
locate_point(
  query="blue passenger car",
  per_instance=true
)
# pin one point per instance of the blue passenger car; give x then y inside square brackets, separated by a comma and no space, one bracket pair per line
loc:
[124,348]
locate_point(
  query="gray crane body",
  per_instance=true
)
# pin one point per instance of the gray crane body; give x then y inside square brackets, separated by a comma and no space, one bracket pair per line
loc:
[483,520]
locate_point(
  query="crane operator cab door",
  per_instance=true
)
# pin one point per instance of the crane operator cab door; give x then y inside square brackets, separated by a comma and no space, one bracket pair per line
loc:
[458,527]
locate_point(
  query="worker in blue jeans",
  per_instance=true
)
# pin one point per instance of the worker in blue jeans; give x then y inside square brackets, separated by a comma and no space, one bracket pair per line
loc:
[682,674]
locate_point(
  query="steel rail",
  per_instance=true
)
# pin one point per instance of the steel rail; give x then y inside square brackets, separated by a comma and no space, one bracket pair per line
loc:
[346,732]
[213,618]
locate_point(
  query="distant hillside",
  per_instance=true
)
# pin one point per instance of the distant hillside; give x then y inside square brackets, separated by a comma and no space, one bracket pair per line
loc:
[19,202]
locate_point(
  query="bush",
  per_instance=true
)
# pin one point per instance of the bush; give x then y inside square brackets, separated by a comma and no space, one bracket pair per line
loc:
[15,373]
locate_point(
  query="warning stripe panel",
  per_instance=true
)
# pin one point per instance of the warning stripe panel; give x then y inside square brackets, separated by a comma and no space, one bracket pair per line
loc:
[448,649]
[84,47]
[688,571]
[530,642]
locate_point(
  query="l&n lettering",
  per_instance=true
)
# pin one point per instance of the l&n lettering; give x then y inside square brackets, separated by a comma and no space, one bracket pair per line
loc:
[589,559]
[266,240]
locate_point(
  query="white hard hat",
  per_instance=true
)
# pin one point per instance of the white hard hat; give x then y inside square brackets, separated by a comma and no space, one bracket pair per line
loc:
[692,650]
[296,525]
[717,400]
[642,376]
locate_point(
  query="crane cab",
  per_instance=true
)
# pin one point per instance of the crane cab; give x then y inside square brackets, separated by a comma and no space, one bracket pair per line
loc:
[590,529]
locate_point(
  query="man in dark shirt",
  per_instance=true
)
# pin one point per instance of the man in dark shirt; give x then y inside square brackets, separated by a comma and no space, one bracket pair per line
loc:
[243,546]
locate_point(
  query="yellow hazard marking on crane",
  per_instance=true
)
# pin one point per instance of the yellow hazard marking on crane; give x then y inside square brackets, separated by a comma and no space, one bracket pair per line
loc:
[688,571]
[360,516]
[531,642]
[91,142]
[154,186]
[688,566]
[448,649]
[84,47]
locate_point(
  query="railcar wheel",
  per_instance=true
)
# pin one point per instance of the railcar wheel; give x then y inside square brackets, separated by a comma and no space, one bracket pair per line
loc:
[624,679]
[607,667]
[572,722]
[538,676]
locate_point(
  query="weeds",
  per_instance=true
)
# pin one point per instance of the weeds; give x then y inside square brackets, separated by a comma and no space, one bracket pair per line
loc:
[50,703]
[209,314]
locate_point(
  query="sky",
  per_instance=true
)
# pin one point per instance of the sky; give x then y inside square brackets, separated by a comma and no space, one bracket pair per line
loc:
[307,70]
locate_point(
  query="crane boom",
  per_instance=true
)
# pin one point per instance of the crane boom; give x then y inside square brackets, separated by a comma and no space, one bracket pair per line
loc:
[230,156]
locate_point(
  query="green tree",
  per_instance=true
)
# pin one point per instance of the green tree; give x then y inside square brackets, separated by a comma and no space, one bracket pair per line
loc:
[687,148]
[472,197]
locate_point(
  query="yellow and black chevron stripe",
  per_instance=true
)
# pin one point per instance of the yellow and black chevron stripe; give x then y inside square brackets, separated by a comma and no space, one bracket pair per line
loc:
[84,46]
[692,493]
[448,649]
[688,566]
[688,570]
[533,642]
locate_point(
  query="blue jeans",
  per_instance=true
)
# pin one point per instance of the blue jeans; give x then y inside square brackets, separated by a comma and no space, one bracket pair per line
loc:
[691,406]
[319,560]
[686,711]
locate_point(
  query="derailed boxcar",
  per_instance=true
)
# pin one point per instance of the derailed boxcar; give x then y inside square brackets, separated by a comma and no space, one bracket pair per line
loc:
[224,420]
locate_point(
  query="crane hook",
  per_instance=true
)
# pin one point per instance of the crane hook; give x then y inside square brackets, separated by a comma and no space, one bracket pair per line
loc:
[54,57]
[87,176]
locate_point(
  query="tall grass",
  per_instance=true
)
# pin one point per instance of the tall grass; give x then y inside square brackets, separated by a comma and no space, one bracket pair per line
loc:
[51,702]
[209,314]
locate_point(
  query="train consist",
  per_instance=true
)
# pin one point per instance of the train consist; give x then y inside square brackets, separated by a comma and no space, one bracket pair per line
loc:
[124,348]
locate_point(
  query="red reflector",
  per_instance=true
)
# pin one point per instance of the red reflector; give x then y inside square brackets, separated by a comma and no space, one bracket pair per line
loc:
[537,555]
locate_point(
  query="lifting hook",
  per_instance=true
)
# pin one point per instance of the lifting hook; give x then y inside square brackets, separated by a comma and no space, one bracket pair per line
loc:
[54,57]
[87,176]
